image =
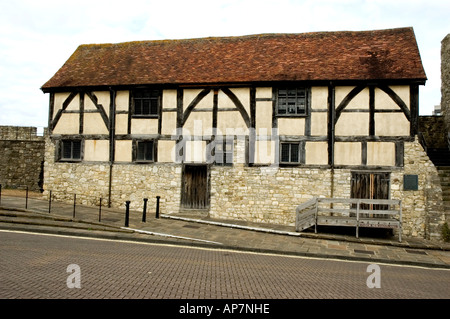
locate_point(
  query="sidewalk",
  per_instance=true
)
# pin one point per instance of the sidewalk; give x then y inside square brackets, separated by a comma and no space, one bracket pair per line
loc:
[220,234]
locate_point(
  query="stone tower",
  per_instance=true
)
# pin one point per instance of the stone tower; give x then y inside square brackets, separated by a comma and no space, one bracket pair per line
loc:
[445,76]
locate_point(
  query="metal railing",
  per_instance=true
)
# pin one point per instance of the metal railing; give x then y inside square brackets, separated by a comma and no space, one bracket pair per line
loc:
[91,203]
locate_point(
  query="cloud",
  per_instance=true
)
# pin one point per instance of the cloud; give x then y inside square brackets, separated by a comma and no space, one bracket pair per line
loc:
[39,36]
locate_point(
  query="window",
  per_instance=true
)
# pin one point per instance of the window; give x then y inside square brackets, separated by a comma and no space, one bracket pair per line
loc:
[224,152]
[292,101]
[146,102]
[71,150]
[145,151]
[290,153]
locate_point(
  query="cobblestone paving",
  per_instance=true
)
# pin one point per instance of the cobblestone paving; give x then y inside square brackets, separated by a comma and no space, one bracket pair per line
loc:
[35,266]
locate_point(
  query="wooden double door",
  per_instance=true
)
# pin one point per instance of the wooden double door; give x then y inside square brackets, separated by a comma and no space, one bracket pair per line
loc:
[371,185]
[195,187]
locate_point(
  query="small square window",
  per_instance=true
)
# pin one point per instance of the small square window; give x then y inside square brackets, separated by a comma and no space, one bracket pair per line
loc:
[146,102]
[290,153]
[144,151]
[70,150]
[292,101]
[223,152]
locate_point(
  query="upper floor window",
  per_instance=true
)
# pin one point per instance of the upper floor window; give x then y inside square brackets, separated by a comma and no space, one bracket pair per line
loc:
[70,150]
[146,102]
[292,101]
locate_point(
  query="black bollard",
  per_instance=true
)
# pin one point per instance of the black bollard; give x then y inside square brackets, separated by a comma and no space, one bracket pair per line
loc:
[100,211]
[144,212]
[26,199]
[74,204]
[0,193]
[127,213]
[157,206]
[50,202]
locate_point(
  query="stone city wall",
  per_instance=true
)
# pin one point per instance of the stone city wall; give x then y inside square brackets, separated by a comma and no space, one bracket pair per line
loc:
[445,78]
[21,158]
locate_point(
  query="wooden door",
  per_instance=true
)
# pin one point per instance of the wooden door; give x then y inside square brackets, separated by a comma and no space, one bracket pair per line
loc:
[370,185]
[195,188]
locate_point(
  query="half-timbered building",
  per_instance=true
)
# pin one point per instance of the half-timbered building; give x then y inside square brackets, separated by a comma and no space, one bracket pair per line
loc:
[243,127]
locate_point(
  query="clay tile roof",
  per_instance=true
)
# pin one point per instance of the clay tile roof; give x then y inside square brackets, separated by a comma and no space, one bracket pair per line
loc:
[390,54]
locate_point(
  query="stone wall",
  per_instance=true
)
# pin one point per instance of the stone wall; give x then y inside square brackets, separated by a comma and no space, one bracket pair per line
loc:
[26,133]
[21,158]
[271,194]
[133,182]
[263,194]
[423,213]
[434,131]
[445,78]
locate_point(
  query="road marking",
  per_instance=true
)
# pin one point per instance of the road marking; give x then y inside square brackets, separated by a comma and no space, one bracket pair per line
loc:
[228,250]
[170,236]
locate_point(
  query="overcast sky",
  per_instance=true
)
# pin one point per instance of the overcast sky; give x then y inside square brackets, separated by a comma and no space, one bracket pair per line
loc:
[38,36]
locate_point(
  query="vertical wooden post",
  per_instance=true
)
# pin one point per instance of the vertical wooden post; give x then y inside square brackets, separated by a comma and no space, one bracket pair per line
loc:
[357,218]
[316,215]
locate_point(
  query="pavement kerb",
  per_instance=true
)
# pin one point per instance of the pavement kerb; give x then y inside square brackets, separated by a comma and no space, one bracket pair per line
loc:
[260,229]
[404,244]
[154,240]
[114,232]
[311,235]
[62,219]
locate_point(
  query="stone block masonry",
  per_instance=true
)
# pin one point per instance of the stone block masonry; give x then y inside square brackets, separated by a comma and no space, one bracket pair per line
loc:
[21,158]
[116,184]
[445,78]
[266,194]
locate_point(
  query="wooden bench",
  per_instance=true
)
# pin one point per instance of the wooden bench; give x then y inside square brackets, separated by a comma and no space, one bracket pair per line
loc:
[354,212]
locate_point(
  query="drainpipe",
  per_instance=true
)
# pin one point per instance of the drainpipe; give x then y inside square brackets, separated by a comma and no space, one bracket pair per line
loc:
[331,134]
[112,134]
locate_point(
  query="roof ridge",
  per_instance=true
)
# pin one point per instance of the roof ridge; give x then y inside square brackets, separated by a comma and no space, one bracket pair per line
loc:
[247,36]
[385,54]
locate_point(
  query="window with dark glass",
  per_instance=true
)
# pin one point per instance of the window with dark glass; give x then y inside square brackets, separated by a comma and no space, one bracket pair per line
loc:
[292,101]
[144,151]
[145,102]
[290,153]
[223,152]
[71,150]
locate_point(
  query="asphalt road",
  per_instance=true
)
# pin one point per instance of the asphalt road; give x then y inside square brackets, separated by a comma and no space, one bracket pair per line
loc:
[53,267]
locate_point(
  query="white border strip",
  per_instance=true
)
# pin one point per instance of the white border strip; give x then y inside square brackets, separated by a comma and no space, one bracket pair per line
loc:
[170,236]
[265,230]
